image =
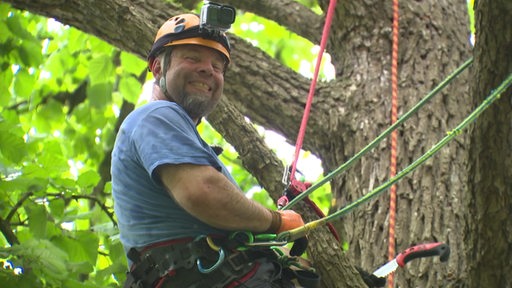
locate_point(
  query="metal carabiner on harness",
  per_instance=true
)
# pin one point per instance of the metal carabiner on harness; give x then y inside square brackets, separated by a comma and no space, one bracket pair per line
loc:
[203,270]
[221,258]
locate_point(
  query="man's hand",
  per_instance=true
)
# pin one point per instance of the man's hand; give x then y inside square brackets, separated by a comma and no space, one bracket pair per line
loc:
[289,220]
[286,220]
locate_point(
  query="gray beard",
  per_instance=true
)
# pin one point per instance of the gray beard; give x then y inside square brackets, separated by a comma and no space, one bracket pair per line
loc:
[195,106]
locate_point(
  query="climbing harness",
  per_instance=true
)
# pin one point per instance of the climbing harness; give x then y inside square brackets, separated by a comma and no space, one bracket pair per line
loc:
[212,262]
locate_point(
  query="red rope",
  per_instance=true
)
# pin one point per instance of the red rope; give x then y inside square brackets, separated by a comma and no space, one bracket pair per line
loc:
[394,135]
[305,116]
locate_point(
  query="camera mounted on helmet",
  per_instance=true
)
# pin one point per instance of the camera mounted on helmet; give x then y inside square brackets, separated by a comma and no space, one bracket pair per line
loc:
[207,29]
[217,18]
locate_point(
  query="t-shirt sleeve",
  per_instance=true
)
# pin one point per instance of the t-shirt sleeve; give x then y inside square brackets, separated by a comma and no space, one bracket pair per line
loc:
[168,136]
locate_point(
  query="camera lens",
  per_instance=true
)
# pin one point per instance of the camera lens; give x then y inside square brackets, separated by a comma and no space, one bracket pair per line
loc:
[227,15]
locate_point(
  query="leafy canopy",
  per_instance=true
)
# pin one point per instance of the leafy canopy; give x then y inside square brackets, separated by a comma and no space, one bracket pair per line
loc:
[62,92]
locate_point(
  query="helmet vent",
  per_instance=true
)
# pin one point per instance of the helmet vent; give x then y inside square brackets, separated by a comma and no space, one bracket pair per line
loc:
[179,28]
[179,20]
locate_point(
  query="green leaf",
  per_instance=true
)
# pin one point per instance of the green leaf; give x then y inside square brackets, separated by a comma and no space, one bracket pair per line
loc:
[34,170]
[101,69]
[130,88]
[67,184]
[132,64]
[50,114]
[37,217]
[76,40]
[99,95]
[73,215]
[100,46]
[24,84]
[5,82]
[116,250]
[53,259]
[88,178]
[56,207]
[30,53]
[17,28]
[5,32]
[54,63]
[107,228]
[53,159]
[82,248]
[23,183]
[4,10]
[12,146]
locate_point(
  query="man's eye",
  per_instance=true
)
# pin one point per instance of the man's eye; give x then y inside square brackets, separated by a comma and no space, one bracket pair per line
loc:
[192,58]
[219,67]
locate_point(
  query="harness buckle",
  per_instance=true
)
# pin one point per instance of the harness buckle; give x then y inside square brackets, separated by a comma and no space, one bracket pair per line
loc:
[238,260]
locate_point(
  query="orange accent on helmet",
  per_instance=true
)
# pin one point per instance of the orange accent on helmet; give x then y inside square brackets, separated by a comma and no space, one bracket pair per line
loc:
[184,29]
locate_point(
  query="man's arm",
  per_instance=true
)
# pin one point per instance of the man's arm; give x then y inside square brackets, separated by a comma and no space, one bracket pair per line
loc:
[208,195]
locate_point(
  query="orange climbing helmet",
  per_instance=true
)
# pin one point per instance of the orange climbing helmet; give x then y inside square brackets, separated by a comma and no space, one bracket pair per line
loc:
[185,29]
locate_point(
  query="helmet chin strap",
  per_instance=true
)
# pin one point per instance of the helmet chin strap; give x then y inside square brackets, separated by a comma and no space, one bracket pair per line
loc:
[163,82]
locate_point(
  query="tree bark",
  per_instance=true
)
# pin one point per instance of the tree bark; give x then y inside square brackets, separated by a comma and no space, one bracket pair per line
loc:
[489,228]
[350,111]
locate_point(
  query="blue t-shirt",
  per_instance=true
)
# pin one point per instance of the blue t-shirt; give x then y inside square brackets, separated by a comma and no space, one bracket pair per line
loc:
[157,133]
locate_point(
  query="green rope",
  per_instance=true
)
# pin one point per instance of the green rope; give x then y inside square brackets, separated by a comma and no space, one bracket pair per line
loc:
[304,230]
[383,135]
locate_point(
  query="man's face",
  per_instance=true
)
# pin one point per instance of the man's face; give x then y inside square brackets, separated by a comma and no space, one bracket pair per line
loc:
[195,78]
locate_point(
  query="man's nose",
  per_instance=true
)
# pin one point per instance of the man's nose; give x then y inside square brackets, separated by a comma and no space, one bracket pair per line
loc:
[206,66]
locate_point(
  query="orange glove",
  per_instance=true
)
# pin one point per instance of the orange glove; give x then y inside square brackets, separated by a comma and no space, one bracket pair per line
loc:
[284,220]
[289,220]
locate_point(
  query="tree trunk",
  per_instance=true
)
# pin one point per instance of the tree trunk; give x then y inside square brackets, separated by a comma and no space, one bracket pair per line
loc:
[349,112]
[433,42]
[489,229]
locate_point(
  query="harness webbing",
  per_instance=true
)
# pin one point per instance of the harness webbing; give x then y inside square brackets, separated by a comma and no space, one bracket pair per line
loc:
[394,136]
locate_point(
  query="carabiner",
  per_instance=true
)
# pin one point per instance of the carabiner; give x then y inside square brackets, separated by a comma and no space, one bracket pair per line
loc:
[214,266]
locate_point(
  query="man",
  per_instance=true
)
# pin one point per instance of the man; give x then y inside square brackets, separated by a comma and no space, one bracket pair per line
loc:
[175,202]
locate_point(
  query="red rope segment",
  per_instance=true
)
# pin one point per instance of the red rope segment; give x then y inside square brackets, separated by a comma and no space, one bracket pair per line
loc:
[305,116]
[394,136]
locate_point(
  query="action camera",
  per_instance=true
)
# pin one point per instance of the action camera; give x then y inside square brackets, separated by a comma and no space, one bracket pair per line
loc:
[217,17]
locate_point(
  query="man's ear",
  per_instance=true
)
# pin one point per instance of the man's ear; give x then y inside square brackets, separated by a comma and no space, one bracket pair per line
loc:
[156,68]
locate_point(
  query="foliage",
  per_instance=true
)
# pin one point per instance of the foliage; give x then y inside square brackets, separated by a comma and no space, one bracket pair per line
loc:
[61,92]
[281,44]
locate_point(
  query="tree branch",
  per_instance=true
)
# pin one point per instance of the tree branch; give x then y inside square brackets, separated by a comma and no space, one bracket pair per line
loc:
[5,227]
[290,14]
[256,157]
[18,205]
[103,207]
